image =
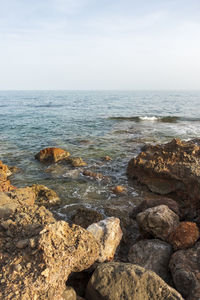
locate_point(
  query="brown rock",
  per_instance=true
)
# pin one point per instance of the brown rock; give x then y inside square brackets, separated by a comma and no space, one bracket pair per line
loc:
[38,254]
[152,202]
[85,216]
[185,269]
[184,235]
[118,189]
[159,221]
[45,196]
[170,168]
[69,294]
[107,158]
[97,176]
[52,155]
[5,186]
[23,196]
[76,161]
[4,171]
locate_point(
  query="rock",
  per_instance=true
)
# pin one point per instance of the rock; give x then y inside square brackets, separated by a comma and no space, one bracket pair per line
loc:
[47,251]
[69,294]
[51,155]
[108,233]
[159,221]
[14,169]
[184,235]
[152,202]
[23,196]
[185,269]
[79,281]
[107,158]
[143,254]
[45,196]
[117,281]
[4,172]
[118,189]
[170,168]
[5,186]
[85,216]
[76,161]
[97,176]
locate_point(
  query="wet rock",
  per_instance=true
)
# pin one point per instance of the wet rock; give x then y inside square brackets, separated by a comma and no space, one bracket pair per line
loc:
[185,269]
[152,255]
[97,176]
[69,294]
[76,161]
[159,221]
[108,233]
[52,155]
[85,216]
[152,202]
[14,169]
[45,196]
[4,171]
[47,251]
[170,168]
[107,158]
[116,281]
[184,235]
[118,189]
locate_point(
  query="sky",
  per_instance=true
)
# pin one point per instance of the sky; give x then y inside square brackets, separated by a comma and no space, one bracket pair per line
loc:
[99,44]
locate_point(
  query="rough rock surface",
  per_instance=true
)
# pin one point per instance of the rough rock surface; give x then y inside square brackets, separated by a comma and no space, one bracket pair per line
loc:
[97,176]
[152,255]
[108,233]
[85,216]
[170,168]
[51,155]
[76,161]
[117,281]
[38,254]
[159,221]
[5,185]
[185,269]
[45,196]
[69,294]
[24,195]
[152,202]
[184,235]
[118,189]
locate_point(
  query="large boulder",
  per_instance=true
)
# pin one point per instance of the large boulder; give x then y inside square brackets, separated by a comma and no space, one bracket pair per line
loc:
[185,269]
[152,255]
[108,233]
[52,155]
[159,221]
[170,168]
[117,281]
[184,235]
[38,253]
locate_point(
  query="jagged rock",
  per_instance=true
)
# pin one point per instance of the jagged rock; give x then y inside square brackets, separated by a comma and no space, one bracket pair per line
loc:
[85,216]
[152,202]
[108,233]
[38,253]
[184,235]
[116,281]
[5,185]
[152,255]
[159,221]
[52,155]
[170,168]
[76,161]
[185,269]
[45,196]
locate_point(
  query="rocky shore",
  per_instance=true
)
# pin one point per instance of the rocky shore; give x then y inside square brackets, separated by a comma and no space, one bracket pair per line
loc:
[148,252]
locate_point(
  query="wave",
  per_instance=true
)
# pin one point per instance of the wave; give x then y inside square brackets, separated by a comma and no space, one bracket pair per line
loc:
[165,119]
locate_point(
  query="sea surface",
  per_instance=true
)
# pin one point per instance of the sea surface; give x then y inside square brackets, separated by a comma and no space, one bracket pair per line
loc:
[91,125]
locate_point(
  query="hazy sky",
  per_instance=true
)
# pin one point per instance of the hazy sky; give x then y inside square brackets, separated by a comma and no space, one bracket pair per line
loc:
[100,44]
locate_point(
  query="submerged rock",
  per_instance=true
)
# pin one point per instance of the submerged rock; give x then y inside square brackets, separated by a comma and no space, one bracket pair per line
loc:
[97,176]
[152,255]
[117,281]
[38,253]
[185,269]
[118,189]
[159,221]
[108,233]
[76,161]
[52,155]
[184,235]
[170,168]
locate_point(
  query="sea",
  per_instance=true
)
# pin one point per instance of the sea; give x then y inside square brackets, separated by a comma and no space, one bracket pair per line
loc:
[90,125]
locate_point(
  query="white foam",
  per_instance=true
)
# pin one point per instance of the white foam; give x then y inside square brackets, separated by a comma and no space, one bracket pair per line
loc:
[152,119]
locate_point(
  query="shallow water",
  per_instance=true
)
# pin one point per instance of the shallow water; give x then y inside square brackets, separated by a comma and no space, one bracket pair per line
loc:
[91,125]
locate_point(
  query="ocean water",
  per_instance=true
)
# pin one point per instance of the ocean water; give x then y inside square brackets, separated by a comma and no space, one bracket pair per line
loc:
[90,124]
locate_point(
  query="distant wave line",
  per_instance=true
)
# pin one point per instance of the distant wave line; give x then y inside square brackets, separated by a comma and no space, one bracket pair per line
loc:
[164,119]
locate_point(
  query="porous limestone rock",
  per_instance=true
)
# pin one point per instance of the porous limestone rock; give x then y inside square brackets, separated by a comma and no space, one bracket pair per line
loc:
[45,196]
[152,255]
[108,233]
[38,253]
[185,269]
[184,235]
[159,221]
[52,155]
[117,281]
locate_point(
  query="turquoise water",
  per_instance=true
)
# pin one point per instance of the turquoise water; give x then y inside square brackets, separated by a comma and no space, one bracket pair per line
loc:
[90,124]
